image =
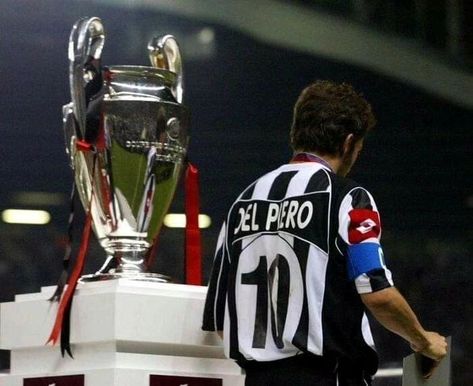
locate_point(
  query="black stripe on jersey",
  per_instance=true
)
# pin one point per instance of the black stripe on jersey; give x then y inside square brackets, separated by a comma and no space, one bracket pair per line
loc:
[301,249]
[378,279]
[319,182]
[360,199]
[279,316]
[232,313]
[248,193]
[261,319]
[214,309]
[279,186]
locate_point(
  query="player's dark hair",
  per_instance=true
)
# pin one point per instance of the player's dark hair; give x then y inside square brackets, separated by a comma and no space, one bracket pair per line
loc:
[325,113]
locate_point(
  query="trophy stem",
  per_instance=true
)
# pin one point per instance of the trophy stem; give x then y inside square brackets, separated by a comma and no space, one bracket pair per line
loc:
[131,264]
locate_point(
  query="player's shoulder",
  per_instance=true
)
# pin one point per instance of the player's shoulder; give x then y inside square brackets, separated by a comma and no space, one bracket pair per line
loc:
[344,185]
[344,188]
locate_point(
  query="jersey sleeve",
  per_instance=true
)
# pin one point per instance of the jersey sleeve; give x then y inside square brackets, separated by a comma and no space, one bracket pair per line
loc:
[214,309]
[360,230]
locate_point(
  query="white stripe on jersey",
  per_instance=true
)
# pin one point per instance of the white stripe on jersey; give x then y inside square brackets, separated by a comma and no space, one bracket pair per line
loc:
[263,186]
[226,331]
[315,284]
[220,246]
[297,185]
[366,330]
[221,237]
[288,237]
[363,285]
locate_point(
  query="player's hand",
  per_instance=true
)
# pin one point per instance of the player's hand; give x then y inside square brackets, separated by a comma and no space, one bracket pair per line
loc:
[434,351]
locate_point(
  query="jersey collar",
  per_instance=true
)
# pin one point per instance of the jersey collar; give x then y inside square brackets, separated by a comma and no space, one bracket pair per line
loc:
[309,157]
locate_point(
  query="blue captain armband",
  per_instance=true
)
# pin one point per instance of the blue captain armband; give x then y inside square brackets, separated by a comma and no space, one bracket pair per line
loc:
[363,258]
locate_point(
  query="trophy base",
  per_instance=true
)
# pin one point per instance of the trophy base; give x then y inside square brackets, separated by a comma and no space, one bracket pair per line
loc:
[136,276]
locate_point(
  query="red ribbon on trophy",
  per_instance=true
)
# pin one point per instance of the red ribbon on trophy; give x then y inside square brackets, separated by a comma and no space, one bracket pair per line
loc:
[193,243]
[193,262]
[61,325]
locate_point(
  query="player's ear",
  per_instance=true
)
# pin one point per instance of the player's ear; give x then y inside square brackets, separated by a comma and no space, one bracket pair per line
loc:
[348,144]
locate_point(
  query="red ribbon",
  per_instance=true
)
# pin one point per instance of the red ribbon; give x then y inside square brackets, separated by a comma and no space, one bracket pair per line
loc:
[193,243]
[61,324]
[72,282]
[83,146]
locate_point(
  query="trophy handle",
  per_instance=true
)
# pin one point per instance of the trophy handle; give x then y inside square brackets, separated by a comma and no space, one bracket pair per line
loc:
[69,126]
[164,53]
[85,46]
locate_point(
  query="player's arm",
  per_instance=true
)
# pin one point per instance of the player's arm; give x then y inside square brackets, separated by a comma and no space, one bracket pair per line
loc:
[360,229]
[390,308]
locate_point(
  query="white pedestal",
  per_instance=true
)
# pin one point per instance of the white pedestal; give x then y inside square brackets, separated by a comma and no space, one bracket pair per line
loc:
[123,333]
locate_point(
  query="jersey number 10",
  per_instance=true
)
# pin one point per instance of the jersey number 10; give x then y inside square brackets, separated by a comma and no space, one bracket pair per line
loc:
[264,279]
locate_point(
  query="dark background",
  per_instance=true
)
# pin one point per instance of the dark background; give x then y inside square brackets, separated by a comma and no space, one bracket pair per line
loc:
[417,163]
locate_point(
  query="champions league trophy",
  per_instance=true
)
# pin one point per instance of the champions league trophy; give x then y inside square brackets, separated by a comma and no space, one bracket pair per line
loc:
[126,135]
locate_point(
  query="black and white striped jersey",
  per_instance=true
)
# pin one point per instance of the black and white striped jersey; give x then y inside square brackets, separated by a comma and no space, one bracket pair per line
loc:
[298,247]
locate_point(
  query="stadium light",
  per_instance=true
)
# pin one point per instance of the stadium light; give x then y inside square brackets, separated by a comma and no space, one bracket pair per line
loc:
[26,216]
[178,220]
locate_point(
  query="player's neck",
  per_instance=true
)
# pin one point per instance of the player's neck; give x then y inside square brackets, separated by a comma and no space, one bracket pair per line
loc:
[332,162]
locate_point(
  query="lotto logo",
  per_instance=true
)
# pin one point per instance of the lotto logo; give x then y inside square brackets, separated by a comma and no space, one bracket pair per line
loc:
[364,224]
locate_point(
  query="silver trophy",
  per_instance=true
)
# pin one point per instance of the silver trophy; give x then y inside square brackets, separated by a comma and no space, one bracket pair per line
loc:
[126,135]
